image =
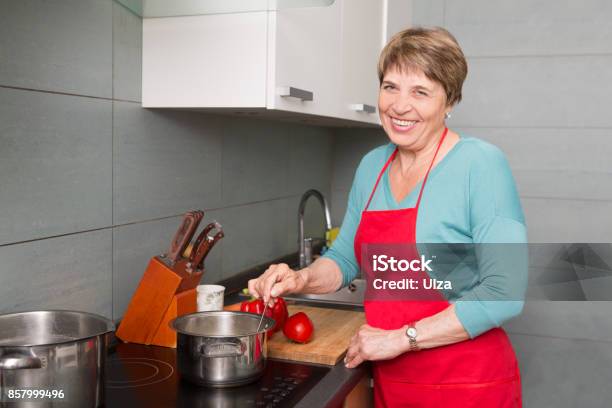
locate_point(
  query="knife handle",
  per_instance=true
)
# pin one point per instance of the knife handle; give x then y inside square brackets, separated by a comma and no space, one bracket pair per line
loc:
[205,248]
[203,235]
[197,217]
[179,236]
[183,235]
[203,244]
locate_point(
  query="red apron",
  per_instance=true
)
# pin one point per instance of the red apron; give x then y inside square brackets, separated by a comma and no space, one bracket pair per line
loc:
[481,372]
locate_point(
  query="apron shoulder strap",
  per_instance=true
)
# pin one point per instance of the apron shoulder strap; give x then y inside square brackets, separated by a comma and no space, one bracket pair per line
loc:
[379,176]
[424,180]
[430,166]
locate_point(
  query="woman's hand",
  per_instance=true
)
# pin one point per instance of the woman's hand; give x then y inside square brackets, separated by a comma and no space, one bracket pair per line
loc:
[276,281]
[371,343]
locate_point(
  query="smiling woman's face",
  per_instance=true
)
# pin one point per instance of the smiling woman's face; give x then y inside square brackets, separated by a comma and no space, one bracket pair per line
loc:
[411,108]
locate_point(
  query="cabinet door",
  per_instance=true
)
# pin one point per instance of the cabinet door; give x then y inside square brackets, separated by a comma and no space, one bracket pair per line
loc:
[207,61]
[362,41]
[304,53]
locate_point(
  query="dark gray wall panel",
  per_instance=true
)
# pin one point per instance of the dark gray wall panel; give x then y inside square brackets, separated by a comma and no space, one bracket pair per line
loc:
[63,46]
[55,164]
[338,206]
[310,158]
[255,233]
[127,54]
[69,272]
[165,162]
[350,146]
[255,161]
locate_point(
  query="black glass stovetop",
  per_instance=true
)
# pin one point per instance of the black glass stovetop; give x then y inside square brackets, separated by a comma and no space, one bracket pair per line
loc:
[146,376]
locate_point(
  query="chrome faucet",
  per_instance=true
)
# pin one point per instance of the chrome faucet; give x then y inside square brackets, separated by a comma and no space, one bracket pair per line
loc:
[305,244]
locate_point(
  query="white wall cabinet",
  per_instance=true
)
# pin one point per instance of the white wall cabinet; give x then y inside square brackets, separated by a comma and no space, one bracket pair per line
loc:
[362,40]
[314,64]
[304,45]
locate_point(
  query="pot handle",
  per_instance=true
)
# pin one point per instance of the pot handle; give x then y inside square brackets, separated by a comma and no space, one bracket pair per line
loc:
[18,362]
[223,349]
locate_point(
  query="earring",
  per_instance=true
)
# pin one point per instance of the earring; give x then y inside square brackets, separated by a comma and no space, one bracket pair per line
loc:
[447,115]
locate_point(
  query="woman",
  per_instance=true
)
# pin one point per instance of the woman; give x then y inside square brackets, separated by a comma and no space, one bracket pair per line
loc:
[426,351]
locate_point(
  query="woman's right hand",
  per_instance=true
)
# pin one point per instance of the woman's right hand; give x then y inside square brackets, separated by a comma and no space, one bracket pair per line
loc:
[276,281]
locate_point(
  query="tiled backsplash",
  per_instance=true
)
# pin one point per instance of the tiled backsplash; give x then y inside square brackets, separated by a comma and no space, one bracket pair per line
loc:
[92,185]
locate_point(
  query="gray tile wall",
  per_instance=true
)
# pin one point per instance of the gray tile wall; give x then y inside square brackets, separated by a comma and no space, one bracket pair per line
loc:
[92,185]
[538,87]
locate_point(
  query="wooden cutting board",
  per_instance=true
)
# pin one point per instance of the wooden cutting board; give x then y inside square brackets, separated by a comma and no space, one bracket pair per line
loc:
[333,330]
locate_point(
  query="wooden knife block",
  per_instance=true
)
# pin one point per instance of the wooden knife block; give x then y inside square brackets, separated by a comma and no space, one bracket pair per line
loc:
[162,294]
[183,303]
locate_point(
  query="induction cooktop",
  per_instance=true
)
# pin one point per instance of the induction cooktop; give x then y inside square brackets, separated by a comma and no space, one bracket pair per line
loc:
[146,376]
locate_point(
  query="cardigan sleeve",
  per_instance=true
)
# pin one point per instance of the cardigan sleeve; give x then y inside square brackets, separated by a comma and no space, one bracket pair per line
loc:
[499,232]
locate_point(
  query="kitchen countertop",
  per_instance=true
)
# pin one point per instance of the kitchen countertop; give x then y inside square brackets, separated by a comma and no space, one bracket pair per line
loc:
[132,369]
[333,388]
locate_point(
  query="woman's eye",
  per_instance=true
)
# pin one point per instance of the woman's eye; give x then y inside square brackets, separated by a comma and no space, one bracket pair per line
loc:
[421,93]
[387,87]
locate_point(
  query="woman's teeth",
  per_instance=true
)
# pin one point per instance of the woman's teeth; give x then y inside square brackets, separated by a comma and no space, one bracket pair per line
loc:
[403,123]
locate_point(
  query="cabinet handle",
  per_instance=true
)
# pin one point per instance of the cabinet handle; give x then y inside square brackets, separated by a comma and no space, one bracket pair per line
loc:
[362,107]
[302,94]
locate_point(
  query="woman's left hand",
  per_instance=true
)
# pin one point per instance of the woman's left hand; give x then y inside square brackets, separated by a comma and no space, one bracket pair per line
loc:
[371,343]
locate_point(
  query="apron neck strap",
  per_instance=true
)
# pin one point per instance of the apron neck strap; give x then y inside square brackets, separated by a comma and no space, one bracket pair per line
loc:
[426,174]
[430,166]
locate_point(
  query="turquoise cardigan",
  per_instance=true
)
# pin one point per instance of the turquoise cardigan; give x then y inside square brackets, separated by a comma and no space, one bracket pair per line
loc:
[470,198]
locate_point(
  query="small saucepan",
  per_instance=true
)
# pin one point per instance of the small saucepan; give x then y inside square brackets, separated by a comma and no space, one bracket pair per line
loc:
[221,348]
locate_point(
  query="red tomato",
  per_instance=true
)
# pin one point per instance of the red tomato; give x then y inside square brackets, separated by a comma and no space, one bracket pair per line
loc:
[279,314]
[298,328]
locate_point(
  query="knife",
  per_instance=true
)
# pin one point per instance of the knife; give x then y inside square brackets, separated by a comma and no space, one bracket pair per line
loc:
[204,243]
[184,234]
[197,215]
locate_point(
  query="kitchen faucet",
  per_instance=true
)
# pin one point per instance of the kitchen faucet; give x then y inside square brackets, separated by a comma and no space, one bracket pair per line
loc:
[305,244]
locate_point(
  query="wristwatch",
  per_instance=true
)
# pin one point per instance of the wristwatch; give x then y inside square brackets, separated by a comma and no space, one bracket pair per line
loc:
[411,333]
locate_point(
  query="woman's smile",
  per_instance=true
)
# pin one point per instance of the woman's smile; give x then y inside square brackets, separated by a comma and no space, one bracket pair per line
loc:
[403,125]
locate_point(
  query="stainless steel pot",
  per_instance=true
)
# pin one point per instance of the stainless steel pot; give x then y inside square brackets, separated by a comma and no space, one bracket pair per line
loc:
[53,358]
[221,349]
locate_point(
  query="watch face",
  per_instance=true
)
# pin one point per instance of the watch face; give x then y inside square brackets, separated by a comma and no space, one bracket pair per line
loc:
[411,332]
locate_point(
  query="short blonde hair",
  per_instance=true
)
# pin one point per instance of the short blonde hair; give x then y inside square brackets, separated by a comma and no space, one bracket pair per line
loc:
[434,51]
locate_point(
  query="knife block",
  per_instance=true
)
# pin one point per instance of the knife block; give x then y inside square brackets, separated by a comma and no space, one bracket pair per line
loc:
[155,294]
[182,303]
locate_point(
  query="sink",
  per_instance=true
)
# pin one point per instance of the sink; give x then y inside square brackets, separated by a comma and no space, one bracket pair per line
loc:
[351,295]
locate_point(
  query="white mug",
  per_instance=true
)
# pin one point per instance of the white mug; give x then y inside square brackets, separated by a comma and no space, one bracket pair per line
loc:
[210,297]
